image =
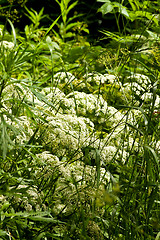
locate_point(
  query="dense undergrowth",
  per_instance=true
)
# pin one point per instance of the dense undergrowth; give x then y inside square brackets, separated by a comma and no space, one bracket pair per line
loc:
[79,130]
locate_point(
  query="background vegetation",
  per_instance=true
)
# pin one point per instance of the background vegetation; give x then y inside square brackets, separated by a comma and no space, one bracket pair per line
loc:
[79,120]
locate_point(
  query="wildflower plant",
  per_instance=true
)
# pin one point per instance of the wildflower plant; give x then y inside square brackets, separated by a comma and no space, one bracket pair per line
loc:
[76,161]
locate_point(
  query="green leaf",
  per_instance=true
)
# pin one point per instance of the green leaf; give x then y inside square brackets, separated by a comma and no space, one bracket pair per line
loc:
[69,34]
[121,9]
[71,25]
[40,236]
[98,166]
[52,45]
[155,158]
[75,16]
[112,36]
[85,30]
[106,8]
[132,5]
[71,6]
[52,25]
[58,2]
[143,14]
[13,31]
[105,1]
[3,233]
[158,236]
[44,219]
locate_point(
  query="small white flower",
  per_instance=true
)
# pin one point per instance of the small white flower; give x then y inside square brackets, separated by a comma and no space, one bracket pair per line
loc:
[135,87]
[89,105]
[28,207]
[148,97]
[64,77]
[66,133]
[110,78]
[95,78]
[141,80]
[107,153]
[7,45]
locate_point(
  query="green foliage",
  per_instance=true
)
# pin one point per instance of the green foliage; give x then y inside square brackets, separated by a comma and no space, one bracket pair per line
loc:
[113,95]
[114,7]
[68,27]
[138,10]
[32,31]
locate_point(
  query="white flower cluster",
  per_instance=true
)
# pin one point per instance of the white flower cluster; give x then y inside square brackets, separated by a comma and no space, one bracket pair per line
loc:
[59,100]
[89,104]
[110,78]
[114,118]
[23,128]
[28,198]
[70,123]
[64,77]
[107,150]
[71,176]
[72,127]
[148,98]
[69,170]
[97,78]
[67,133]
[139,84]
[16,91]
[7,45]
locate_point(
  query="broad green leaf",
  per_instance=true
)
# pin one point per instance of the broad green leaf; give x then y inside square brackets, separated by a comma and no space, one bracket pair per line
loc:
[52,45]
[85,30]
[121,9]
[71,25]
[3,233]
[69,34]
[158,236]
[106,8]
[4,206]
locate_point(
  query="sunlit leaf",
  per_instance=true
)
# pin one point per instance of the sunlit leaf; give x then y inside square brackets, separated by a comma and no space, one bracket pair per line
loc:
[106,8]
